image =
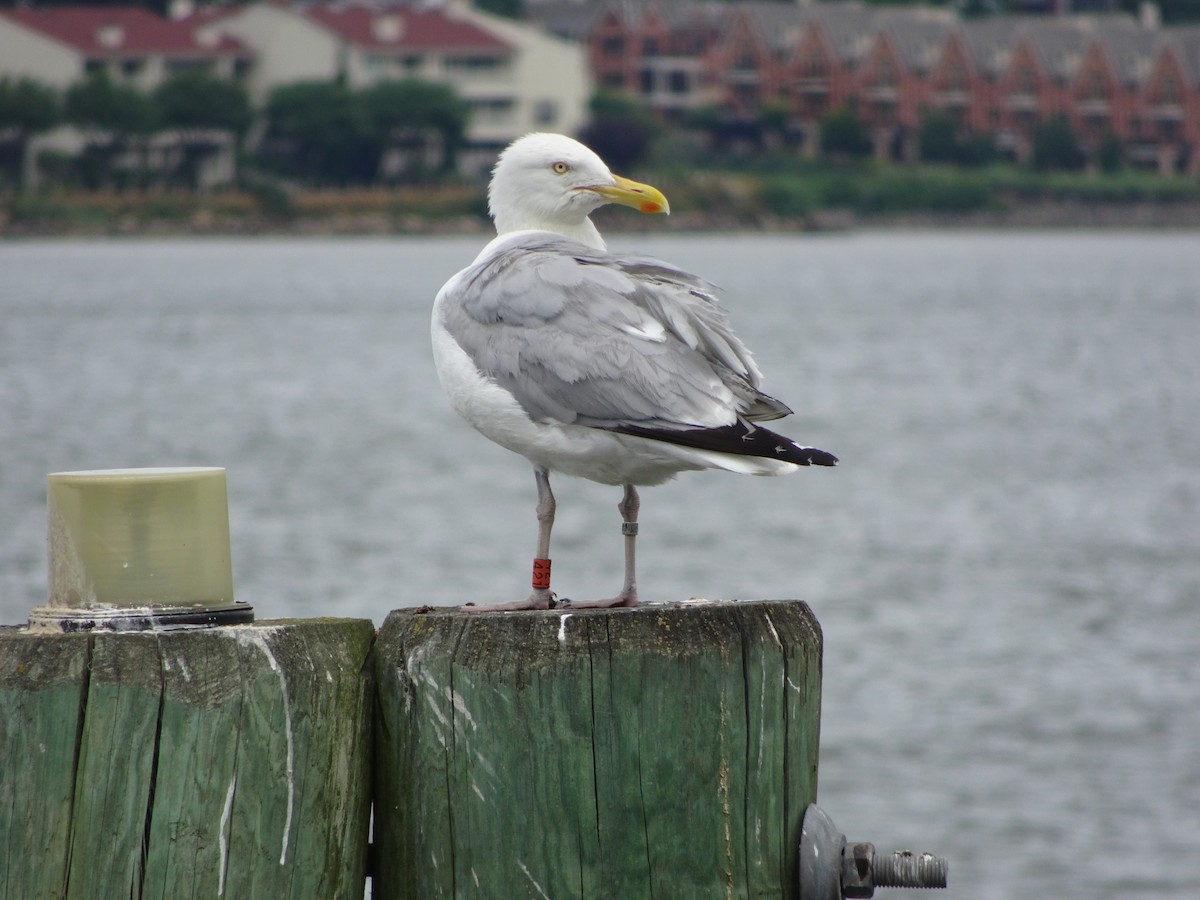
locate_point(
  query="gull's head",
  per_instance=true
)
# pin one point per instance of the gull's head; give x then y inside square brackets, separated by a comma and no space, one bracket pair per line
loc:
[549,182]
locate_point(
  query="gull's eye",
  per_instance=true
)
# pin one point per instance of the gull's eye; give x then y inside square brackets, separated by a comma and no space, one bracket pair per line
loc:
[560,168]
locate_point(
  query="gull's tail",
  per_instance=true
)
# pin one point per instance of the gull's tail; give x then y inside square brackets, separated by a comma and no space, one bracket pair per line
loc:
[739,439]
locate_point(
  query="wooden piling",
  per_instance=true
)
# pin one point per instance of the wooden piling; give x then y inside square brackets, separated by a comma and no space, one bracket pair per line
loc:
[664,751]
[226,762]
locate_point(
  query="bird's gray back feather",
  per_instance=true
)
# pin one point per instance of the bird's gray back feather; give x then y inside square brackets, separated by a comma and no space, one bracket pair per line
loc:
[582,335]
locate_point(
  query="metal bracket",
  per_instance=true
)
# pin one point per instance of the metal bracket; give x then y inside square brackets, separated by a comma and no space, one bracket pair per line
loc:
[832,870]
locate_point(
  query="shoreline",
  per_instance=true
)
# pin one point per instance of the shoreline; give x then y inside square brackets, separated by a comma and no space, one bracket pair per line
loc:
[1064,215]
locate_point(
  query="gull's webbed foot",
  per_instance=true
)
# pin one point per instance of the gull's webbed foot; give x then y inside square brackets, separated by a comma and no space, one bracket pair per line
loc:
[538,599]
[625,598]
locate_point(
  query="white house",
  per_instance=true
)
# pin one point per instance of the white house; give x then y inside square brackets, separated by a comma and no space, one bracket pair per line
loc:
[551,79]
[515,77]
[59,46]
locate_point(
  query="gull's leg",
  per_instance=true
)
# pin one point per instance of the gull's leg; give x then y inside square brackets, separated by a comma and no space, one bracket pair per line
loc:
[628,507]
[541,596]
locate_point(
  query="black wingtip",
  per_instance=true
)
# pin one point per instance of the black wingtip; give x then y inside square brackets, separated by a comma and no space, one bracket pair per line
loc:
[741,439]
[817,457]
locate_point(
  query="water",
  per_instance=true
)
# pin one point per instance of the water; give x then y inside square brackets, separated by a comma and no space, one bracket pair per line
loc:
[1005,565]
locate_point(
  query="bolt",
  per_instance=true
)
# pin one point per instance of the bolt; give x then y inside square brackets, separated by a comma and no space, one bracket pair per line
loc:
[832,869]
[906,869]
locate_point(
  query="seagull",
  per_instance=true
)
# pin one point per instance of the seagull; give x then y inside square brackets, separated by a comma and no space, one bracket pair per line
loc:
[617,368]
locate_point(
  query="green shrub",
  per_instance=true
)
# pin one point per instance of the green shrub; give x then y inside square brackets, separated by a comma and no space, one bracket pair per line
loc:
[788,196]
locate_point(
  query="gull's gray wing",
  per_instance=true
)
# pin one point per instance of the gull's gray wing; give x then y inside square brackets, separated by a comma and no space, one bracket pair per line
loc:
[582,335]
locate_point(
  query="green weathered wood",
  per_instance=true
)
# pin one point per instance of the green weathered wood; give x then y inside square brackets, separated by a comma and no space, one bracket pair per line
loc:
[308,837]
[660,751]
[227,762]
[116,766]
[42,685]
[197,760]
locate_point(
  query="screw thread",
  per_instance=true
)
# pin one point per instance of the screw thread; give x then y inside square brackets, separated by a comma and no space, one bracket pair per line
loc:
[904,869]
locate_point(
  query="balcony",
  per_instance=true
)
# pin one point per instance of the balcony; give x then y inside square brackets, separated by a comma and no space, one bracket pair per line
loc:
[952,99]
[1022,103]
[743,77]
[882,94]
[1166,112]
[1094,108]
[818,86]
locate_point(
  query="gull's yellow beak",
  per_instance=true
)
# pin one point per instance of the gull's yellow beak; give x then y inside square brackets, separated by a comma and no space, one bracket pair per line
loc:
[641,197]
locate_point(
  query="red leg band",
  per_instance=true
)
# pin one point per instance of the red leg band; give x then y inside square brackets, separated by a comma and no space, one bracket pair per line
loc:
[541,574]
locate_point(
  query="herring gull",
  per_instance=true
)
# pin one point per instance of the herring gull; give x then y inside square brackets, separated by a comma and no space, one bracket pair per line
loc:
[617,368]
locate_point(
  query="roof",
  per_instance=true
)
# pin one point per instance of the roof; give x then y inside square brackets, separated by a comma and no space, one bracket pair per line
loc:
[122,31]
[1185,40]
[401,27]
[918,34]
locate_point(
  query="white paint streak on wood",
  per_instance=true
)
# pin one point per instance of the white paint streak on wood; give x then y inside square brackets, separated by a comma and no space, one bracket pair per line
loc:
[223,835]
[532,880]
[258,637]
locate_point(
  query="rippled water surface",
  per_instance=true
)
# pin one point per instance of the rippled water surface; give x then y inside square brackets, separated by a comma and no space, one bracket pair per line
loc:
[1006,565]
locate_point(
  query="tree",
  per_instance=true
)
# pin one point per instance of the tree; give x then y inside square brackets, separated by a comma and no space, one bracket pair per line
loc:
[198,100]
[414,115]
[512,9]
[26,108]
[195,105]
[1054,145]
[1110,154]
[116,117]
[843,134]
[316,130]
[1173,12]
[937,138]
[100,104]
[619,130]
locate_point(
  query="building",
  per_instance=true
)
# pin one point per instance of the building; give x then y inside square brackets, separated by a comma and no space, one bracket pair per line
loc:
[1113,77]
[61,45]
[515,77]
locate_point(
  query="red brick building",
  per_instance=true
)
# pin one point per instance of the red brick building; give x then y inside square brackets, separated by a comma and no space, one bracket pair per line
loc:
[1111,76]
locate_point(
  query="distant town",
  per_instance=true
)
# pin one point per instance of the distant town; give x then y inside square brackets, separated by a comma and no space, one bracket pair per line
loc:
[393,93]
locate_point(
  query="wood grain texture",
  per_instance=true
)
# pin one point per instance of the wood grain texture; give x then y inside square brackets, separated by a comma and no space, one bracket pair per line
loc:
[659,751]
[43,682]
[225,762]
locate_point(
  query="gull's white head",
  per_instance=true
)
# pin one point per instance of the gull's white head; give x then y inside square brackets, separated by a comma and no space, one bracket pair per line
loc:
[549,182]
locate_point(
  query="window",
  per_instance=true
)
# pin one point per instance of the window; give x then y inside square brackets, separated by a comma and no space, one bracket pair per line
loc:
[885,73]
[816,68]
[1096,87]
[473,63]
[956,76]
[545,112]
[132,67]
[376,63]
[678,82]
[1168,91]
[1026,82]
[492,109]
[180,66]
[613,45]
